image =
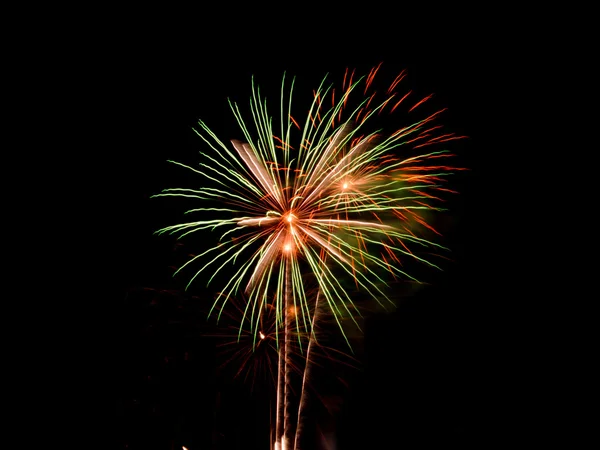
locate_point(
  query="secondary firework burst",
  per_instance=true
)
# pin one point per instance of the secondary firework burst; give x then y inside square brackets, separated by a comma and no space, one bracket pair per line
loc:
[331,196]
[253,358]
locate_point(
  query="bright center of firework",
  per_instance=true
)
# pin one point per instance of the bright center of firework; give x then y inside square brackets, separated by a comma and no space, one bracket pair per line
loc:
[345,185]
[260,333]
[287,247]
[290,218]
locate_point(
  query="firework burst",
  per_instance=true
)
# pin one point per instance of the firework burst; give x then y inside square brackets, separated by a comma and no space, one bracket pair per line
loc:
[333,197]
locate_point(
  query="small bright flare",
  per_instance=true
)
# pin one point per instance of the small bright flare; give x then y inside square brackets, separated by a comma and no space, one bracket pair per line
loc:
[261,334]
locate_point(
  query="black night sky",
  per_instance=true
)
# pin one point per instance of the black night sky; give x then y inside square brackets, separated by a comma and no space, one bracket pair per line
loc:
[432,374]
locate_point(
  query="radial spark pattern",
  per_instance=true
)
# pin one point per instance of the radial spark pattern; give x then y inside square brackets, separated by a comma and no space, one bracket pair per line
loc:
[333,197]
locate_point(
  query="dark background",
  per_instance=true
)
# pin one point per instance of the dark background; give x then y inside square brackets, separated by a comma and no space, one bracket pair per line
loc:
[448,368]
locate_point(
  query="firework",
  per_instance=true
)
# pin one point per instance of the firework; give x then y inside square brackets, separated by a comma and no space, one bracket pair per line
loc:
[334,197]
